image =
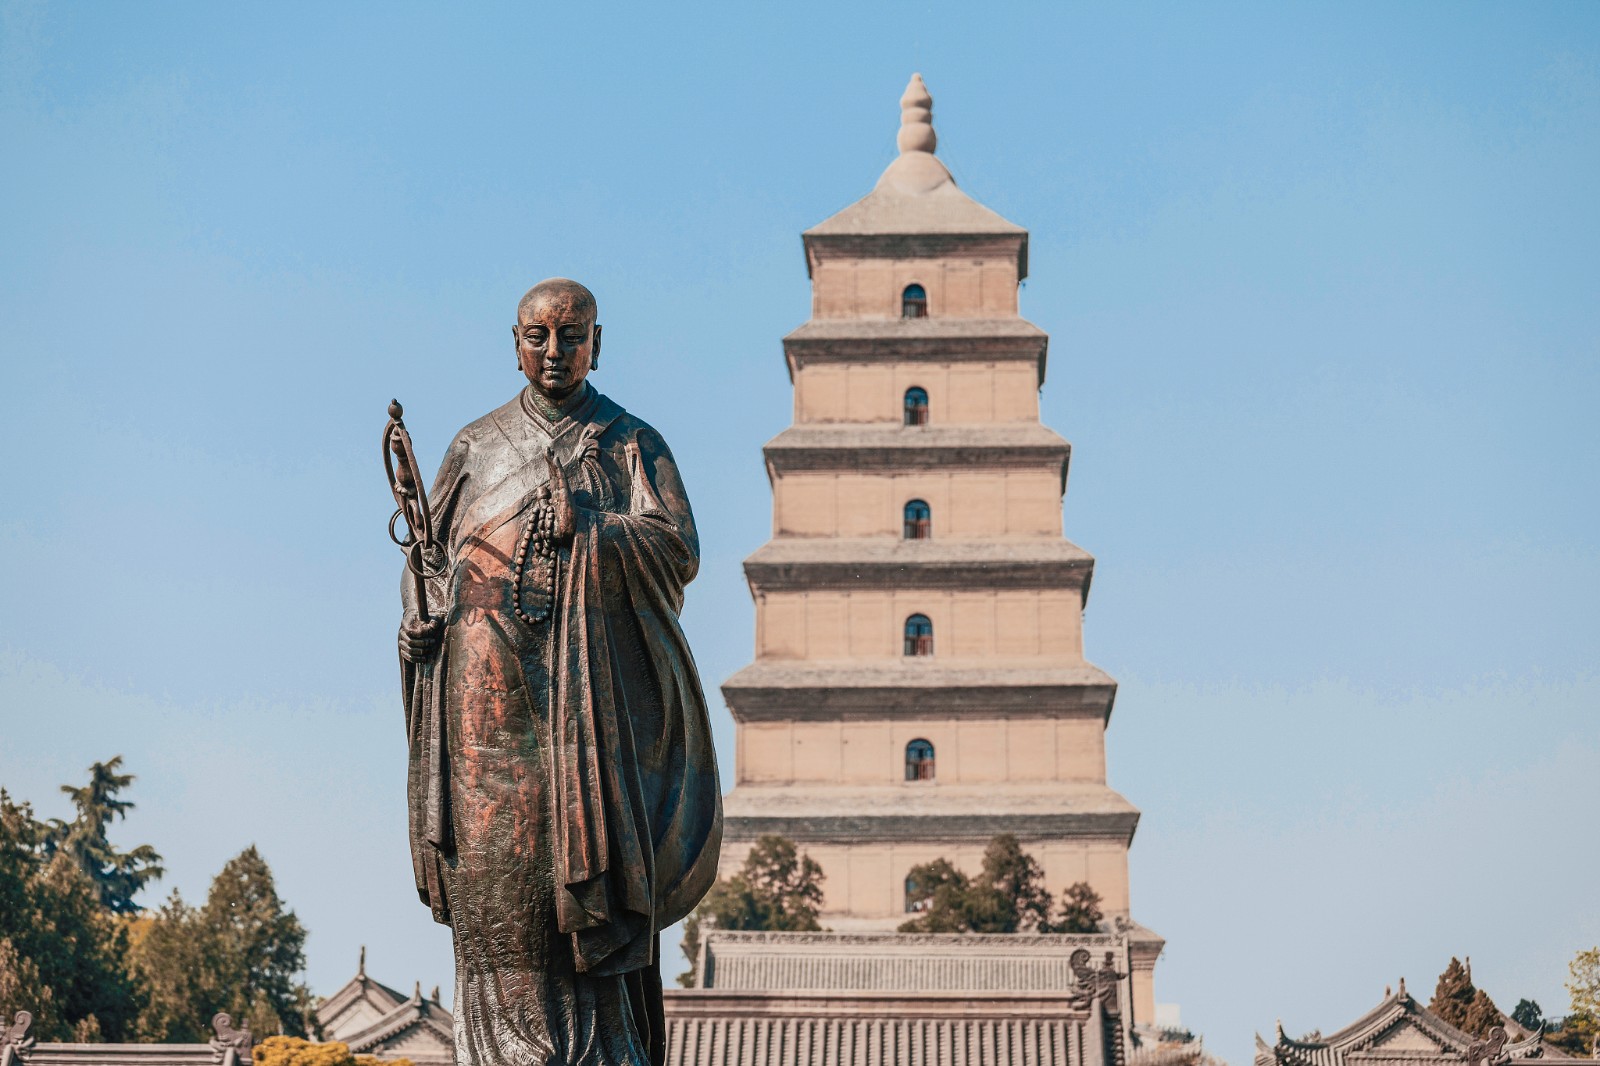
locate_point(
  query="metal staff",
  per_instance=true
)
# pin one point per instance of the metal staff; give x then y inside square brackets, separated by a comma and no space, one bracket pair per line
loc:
[405,481]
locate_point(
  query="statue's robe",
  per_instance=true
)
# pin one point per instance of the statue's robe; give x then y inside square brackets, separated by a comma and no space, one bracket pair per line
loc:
[563,789]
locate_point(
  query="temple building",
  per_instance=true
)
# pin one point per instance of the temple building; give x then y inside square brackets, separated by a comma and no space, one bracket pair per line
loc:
[919,682]
[1399,1031]
[374,1019]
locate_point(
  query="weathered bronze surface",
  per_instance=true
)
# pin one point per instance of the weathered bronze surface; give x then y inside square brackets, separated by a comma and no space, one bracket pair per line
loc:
[563,789]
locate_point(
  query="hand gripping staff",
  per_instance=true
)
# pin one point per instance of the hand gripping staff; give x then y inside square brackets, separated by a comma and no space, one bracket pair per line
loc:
[405,481]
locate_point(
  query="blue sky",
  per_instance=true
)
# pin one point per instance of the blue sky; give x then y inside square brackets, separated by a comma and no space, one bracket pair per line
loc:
[1321,285]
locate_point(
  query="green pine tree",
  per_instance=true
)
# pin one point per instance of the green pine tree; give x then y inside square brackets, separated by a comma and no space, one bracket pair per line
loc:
[1007,895]
[779,888]
[941,895]
[1527,1014]
[117,875]
[1452,997]
[1080,910]
[63,955]
[1482,1014]
[1010,888]
[241,952]
[1464,1006]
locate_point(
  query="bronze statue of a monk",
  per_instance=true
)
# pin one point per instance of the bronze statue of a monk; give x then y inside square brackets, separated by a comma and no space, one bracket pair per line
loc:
[563,789]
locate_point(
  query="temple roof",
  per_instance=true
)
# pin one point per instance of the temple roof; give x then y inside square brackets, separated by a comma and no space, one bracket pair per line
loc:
[356,1003]
[1399,1031]
[712,1028]
[842,999]
[416,1013]
[373,1018]
[916,194]
[903,962]
[231,1046]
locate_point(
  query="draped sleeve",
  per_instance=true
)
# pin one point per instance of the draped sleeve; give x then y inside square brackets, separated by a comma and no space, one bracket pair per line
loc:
[638,817]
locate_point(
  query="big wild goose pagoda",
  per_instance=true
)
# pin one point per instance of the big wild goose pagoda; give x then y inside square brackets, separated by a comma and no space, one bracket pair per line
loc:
[919,682]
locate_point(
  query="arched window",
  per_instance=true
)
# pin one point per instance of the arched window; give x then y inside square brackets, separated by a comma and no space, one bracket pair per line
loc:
[916,406]
[914,302]
[919,521]
[919,761]
[919,635]
[915,902]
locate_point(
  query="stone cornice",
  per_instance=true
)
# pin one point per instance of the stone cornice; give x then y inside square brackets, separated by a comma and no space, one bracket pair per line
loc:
[767,691]
[796,564]
[917,340]
[898,448]
[1116,826]
[820,246]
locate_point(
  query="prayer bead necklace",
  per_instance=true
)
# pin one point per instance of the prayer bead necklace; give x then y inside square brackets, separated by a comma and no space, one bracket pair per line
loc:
[536,537]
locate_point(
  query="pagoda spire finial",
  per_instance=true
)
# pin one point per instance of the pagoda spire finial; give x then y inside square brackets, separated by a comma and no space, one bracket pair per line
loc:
[916,118]
[916,169]
[361,966]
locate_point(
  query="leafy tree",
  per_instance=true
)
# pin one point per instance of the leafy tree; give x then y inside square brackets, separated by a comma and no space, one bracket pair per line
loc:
[1452,996]
[117,876]
[1583,983]
[941,896]
[1007,896]
[240,952]
[1456,1001]
[1010,889]
[1482,1015]
[168,955]
[1574,1035]
[779,887]
[1579,1032]
[62,954]
[1080,910]
[1527,1014]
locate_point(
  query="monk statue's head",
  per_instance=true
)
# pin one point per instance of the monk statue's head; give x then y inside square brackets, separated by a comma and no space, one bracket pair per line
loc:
[557,338]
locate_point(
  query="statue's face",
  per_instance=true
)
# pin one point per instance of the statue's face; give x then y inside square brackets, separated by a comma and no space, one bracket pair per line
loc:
[558,343]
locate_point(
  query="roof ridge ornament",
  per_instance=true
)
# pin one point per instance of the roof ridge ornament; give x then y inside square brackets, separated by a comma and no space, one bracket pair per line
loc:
[233,1043]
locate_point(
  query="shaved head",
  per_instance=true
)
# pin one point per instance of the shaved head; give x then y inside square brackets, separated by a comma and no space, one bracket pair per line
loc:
[556,337]
[565,291]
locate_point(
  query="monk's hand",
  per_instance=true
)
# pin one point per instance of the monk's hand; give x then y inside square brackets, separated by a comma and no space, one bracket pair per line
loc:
[420,640]
[560,500]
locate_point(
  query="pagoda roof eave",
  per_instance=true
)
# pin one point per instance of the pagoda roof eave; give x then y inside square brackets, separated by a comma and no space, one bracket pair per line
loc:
[888,562]
[915,673]
[918,810]
[892,446]
[892,211]
[820,330]
[825,690]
